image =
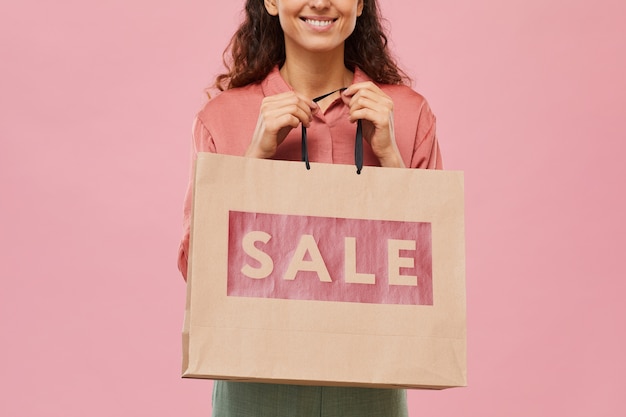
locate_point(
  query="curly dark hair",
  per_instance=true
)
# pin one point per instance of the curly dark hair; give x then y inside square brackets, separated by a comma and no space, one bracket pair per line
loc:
[259,45]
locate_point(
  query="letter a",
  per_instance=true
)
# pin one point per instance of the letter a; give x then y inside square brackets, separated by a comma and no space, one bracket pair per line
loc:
[316,264]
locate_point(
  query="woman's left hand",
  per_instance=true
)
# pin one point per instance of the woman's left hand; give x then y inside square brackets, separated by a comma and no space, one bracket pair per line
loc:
[370,104]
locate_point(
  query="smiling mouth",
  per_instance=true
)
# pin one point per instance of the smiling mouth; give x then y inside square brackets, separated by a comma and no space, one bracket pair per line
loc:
[320,23]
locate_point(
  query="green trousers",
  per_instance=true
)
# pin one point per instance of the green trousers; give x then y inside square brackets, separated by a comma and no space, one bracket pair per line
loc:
[245,399]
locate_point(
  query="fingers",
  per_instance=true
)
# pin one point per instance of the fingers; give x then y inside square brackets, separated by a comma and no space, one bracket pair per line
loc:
[368,102]
[277,116]
[287,110]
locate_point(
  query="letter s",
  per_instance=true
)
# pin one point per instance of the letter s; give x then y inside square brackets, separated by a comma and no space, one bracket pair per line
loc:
[267,264]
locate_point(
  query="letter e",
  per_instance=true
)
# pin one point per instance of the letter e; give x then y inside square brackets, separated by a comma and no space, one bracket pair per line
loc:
[396,262]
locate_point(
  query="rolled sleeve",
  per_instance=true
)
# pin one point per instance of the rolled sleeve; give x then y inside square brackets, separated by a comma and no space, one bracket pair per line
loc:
[426,153]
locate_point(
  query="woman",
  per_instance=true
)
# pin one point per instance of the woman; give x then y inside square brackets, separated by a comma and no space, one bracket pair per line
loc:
[322,64]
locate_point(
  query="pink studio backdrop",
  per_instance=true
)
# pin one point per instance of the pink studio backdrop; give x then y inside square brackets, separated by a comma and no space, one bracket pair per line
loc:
[96,104]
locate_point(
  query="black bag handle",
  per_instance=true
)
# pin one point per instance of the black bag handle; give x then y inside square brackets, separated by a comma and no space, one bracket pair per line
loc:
[358,145]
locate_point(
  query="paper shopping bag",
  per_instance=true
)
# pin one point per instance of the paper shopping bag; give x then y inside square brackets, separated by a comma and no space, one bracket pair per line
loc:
[325,277]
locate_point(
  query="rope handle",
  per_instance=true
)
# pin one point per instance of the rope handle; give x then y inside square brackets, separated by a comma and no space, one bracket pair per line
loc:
[358,145]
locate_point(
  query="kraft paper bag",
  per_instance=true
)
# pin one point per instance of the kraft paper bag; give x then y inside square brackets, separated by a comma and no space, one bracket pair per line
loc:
[325,277]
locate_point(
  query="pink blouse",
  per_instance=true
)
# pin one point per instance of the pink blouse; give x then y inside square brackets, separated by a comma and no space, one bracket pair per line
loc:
[226,124]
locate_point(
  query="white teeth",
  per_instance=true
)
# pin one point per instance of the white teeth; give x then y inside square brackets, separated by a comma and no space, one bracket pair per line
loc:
[318,22]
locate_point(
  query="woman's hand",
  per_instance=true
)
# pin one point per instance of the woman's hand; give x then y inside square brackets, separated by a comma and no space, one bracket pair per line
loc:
[375,108]
[278,115]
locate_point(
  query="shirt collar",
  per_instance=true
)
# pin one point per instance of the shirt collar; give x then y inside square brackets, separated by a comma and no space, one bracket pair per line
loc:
[274,83]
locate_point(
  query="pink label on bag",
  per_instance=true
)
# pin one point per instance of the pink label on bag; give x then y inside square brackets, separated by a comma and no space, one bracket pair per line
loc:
[329,259]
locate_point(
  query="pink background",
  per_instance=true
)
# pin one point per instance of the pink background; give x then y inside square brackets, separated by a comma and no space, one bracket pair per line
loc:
[96,104]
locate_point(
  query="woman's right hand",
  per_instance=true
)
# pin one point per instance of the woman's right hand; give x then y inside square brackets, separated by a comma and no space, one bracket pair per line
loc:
[278,115]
